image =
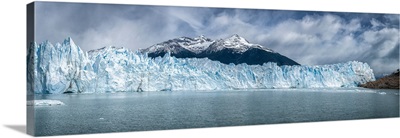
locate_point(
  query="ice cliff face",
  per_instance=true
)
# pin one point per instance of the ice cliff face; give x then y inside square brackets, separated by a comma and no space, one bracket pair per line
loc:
[58,68]
[66,68]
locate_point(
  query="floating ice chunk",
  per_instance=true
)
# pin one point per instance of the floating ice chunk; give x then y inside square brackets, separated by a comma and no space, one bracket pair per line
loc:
[44,103]
[382,93]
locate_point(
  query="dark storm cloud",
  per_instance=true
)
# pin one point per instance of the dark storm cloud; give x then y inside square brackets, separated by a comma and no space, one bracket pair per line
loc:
[309,38]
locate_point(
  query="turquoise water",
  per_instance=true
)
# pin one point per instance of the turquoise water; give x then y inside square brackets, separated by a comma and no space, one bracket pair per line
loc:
[120,112]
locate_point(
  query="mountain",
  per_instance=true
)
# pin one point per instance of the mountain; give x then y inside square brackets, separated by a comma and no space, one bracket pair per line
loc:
[183,47]
[388,82]
[234,49]
[65,68]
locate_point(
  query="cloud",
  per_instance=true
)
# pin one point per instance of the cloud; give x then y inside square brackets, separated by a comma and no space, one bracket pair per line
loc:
[326,39]
[382,49]
[314,39]
[94,26]
[375,23]
[310,38]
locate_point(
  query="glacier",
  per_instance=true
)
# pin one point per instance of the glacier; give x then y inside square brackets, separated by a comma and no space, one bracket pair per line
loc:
[66,67]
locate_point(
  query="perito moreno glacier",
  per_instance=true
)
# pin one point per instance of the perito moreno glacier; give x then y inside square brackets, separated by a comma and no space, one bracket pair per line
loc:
[66,67]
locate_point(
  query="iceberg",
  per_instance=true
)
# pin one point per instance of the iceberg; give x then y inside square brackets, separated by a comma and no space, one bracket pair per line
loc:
[43,103]
[65,67]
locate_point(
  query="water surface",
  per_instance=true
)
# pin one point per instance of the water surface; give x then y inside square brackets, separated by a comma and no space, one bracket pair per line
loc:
[118,112]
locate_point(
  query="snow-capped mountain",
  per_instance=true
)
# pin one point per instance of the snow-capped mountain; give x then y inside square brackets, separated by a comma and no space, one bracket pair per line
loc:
[66,68]
[236,44]
[234,49]
[177,45]
[183,47]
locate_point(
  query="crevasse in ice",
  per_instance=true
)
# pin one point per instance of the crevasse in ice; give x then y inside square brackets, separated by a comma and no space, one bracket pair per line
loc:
[66,68]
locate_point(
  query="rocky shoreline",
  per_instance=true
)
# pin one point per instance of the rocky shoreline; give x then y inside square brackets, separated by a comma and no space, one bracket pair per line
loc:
[388,82]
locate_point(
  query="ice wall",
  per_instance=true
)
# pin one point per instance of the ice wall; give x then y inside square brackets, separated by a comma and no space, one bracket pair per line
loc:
[66,68]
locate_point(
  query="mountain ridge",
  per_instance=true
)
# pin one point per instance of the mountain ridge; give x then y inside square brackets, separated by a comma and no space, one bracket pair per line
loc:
[234,49]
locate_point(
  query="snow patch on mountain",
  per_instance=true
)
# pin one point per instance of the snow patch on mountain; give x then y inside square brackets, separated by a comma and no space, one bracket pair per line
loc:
[238,43]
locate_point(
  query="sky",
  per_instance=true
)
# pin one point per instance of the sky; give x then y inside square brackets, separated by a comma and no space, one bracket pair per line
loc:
[308,37]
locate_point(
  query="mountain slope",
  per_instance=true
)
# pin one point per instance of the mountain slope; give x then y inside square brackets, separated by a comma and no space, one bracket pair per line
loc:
[388,82]
[234,49]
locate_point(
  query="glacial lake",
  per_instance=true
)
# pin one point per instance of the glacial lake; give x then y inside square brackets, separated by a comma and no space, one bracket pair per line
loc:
[132,111]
